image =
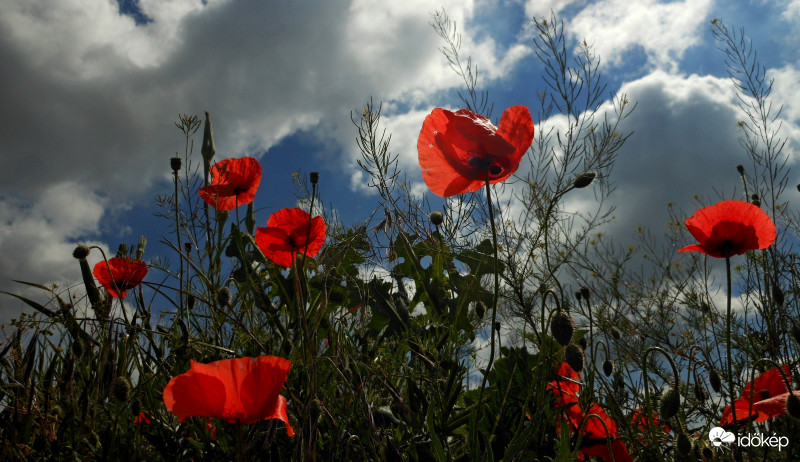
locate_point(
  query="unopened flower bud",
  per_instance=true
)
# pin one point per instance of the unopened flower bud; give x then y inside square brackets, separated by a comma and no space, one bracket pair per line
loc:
[615,333]
[120,389]
[584,179]
[755,200]
[480,310]
[670,403]
[793,405]
[608,367]
[700,393]
[578,295]
[684,443]
[81,252]
[436,218]
[207,149]
[573,355]
[777,295]
[562,328]
[314,177]
[740,169]
[585,292]
[190,301]
[175,163]
[224,296]
[187,246]
[714,380]
[583,343]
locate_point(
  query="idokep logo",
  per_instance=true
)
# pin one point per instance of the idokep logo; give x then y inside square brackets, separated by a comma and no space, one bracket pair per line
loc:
[719,436]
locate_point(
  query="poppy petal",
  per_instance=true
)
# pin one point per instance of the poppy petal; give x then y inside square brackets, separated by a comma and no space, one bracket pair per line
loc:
[194,394]
[234,183]
[290,231]
[516,126]
[730,228]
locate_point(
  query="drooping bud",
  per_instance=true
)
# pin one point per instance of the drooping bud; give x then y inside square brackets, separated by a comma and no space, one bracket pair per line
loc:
[120,389]
[777,295]
[584,179]
[573,355]
[224,297]
[700,392]
[684,443]
[793,405]
[436,218]
[175,163]
[608,367]
[314,177]
[615,333]
[585,292]
[562,328]
[714,380]
[670,403]
[480,310]
[190,301]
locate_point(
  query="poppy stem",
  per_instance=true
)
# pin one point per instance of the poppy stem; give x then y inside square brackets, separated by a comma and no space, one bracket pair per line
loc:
[180,252]
[731,387]
[239,449]
[496,288]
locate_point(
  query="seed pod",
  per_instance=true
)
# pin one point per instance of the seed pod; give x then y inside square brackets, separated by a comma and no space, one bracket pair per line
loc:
[187,246]
[314,177]
[615,333]
[436,218]
[562,328]
[740,169]
[608,367]
[80,252]
[714,380]
[585,292]
[573,355]
[755,200]
[670,403]
[224,297]
[584,179]
[175,163]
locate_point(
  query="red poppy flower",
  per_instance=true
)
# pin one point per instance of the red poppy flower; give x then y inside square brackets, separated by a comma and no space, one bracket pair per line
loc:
[120,274]
[234,182]
[288,232]
[566,386]
[730,228]
[458,149]
[600,450]
[769,398]
[240,390]
[141,419]
[639,420]
[596,435]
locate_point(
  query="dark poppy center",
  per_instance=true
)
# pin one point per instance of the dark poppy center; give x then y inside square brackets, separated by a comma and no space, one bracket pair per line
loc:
[487,164]
[764,394]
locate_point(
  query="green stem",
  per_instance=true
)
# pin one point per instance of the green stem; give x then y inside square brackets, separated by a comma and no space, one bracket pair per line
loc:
[496,287]
[731,390]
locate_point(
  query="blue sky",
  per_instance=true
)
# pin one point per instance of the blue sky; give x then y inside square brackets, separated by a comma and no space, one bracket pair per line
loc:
[91,88]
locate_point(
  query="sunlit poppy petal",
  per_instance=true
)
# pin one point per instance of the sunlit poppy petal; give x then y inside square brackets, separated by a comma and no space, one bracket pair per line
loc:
[457,150]
[730,228]
[241,390]
[120,275]
[769,398]
[234,183]
[290,231]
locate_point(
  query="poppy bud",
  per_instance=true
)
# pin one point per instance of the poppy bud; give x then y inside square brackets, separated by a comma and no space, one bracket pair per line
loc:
[190,301]
[798,187]
[578,295]
[584,179]
[777,295]
[793,405]
[562,328]
[175,163]
[585,292]
[77,347]
[81,252]
[122,250]
[714,380]
[436,218]
[608,367]
[224,296]
[480,310]
[314,177]
[755,200]
[795,331]
[700,393]
[120,389]
[573,355]
[615,333]
[707,453]
[187,246]
[497,326]
[740,169]
[583,343]
[670,403]
[684,443]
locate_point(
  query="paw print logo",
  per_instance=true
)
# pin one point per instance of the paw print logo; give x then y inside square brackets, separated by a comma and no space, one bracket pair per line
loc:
[718,435]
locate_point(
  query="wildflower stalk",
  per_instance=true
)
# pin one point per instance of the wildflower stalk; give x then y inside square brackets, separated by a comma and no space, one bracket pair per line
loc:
[731,390]
[647,402]
[182,309]
[496,287]
[299,272]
